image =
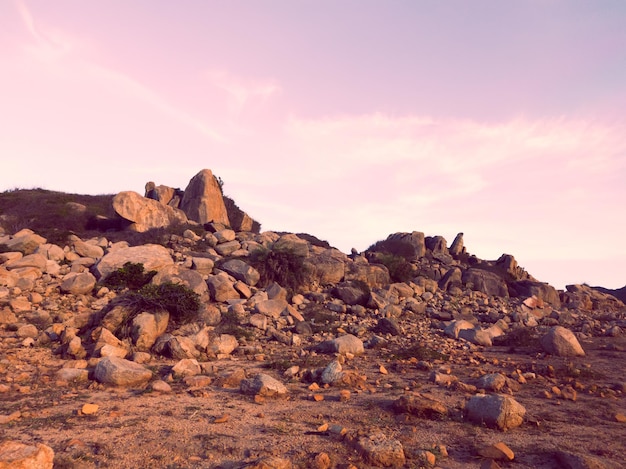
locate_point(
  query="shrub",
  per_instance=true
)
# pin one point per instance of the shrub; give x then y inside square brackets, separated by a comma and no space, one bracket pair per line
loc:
[131,276]
[181,302]
[396,247]
[281,266]
[400,270]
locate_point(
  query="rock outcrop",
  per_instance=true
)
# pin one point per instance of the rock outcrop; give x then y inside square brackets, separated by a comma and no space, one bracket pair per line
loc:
[203,201]
[145,214]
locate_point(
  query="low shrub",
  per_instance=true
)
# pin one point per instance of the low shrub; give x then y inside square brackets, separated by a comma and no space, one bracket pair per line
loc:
[131,276]
[400,270]
[395,247]
[180,301]
[281,266]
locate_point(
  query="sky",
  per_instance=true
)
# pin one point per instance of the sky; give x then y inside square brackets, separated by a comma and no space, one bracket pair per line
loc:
[348,120]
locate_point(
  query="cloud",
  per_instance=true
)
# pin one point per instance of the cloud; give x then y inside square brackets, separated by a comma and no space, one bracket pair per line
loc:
[47,45]
[242,92]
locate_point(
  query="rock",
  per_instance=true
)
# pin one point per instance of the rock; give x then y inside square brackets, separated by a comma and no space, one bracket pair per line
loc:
[492,382]
[37,261]
[263,385]
[225,344]
[225,236]
[414,244]
[152,256]
[16,455]
[27,330]
[561,342]
[72,375]
[271,308]
[502,412]
[388,326]
[180,275]
[86,249]
[144,213]
[328,267]
[51,252]
[186,367]
[241,271]
[160,386]
[25,241]
[78,283]
[350,293]
[333,373]
[89,409]
[176,347]
[374,275]
[499,451]
[420,406]
[203,201]
[543,291]
[293,244]
[455,327]
[345,344]
[147,327]
[452,278]
[484,281]
[568,460]
[221,288]
[457,248]
[476,336]
[270,462]
[380,451]
[120,372]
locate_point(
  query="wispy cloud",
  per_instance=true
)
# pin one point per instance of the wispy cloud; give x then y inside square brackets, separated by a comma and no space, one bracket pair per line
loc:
[47,45]
[242,92]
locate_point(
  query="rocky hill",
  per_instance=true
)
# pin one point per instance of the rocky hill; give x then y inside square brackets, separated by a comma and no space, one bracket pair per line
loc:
[174,340]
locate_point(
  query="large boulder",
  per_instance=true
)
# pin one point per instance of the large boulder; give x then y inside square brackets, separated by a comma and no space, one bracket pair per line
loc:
[78,283]
[495,410]
[25,241]
[484,281]
[120,372]
[241,271]
[145,213]
[203,201]
[412,245]
[328,267]
[561,342]
[543,291]
[374,275]
[152,256]
[17,455]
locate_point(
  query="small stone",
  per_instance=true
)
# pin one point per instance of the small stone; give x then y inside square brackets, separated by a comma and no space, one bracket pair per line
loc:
[383,370]
[499,451]
[568,393]
[321,461]
[160,386]
[222,418]
[344,395]
[379,450]
[89,409]
[318,397]
[11,417]
[619,417]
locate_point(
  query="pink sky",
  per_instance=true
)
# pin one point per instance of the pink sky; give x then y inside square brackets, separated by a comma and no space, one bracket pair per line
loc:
[348,120]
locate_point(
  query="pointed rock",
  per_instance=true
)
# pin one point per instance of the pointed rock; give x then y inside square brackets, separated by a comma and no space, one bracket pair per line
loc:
[203,201]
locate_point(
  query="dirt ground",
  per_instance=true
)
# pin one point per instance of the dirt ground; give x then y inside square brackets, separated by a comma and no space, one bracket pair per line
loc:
[212,426]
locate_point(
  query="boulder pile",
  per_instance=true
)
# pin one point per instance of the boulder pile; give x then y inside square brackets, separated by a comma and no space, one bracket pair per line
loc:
[409,294]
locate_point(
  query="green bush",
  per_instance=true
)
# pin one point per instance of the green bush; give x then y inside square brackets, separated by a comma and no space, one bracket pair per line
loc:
[281,266]
[400,270]
[131,276]
[396,247]
[181,302]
